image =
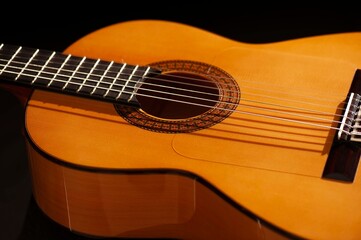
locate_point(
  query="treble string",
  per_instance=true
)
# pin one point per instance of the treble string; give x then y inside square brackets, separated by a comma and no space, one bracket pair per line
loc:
[205,87]
[189,97]
[214,88]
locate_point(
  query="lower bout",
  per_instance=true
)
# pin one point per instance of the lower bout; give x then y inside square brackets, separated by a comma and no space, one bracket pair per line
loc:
[141,204]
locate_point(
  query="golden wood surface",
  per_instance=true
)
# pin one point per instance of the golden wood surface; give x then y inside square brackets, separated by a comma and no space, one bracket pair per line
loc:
[269,167]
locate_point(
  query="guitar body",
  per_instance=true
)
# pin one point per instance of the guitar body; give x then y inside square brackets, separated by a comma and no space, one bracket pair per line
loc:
[107,171]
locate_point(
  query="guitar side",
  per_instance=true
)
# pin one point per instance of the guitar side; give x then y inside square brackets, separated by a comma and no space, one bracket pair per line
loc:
[96,174]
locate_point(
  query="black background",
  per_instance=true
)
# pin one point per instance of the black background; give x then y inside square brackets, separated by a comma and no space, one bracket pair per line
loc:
[55,28]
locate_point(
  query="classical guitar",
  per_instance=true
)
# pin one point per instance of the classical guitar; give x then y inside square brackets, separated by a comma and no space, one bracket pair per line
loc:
[155,129]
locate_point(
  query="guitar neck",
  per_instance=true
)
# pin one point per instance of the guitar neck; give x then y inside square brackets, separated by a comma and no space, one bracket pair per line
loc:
[64,73]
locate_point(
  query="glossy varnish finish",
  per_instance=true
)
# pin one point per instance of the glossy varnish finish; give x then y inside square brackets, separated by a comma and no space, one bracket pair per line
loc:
[271,168]
[141,204]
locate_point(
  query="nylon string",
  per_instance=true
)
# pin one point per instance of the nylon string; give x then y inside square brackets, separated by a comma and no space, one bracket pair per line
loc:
[181,95]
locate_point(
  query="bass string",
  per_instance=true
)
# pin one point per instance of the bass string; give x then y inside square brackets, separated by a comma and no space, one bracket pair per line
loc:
[32,53]
[50,58]
[213,101]
[263,96]
[243,99]
[264,89]
[243,112]
[226,109]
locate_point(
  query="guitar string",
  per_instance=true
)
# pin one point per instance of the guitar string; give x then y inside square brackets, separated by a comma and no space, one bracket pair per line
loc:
[208,87]
[205,87]
[247,93]
[106,63]
[207,106]
[248,106]
[254,107]
[325,99]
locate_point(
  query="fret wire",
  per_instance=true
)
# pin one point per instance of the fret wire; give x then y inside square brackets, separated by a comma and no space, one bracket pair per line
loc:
[26,65]
[107,90]
[96,75]
[65,81]
[238,111]
[137,85]
[102,77]
[99,87]
[111,84]
[88,75]
[14,55]
[1,46]
[95,87]
[117,91]
[115,79]
[48,84]
[74,72]
[59,69]
[106,71]
[41,70]
[126,83]
[67,70]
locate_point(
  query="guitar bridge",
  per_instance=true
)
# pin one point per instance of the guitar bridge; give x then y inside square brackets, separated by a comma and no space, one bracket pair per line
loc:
[345,152]
[350,124]
[356,127]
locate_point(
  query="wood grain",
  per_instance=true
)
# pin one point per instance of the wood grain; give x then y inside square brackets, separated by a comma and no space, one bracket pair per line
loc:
[268,167]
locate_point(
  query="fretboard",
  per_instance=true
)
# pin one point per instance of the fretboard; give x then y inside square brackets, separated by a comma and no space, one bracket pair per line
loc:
[81,76]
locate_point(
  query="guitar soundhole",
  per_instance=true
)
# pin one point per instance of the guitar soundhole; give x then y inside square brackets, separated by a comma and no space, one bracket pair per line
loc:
[177,95]
[186,97]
